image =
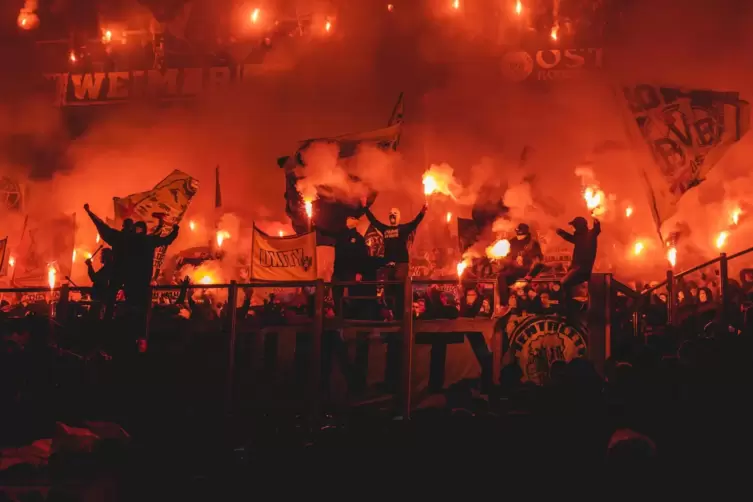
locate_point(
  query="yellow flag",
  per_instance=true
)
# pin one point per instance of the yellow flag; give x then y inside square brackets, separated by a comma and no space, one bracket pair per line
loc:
[283,258]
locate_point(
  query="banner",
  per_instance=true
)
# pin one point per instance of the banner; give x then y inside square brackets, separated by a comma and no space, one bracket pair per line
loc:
[551,64]
[283,258]
[4,257]
[687,133]
[44,244]
[160,208]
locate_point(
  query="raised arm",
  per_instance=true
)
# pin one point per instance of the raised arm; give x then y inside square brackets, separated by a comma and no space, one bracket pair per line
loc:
[413,224]
[597,227]
[158,240]
[372,219]
[107,233]
[90,271]
[568,237]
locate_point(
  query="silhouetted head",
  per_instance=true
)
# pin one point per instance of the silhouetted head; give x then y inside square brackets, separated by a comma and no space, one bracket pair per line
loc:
[139,227]
[522,231]
[128,225]
[579,223]
[394,216]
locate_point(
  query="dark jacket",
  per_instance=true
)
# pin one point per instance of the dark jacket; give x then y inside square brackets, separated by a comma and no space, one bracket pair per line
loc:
[351,252]
[396,237]
[585,241]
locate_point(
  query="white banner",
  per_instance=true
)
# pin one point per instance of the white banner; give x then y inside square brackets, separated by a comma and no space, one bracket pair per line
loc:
[283,258]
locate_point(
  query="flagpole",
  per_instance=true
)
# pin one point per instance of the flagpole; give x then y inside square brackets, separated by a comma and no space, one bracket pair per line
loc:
[23,232]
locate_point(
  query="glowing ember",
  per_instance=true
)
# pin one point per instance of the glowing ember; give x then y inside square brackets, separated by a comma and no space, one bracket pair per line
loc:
[72,57]
[12,261]
[735,216]
[721,239]
[518,7]
[255,15]
[499,249]
[222,235]
[449,216]
[206,280]
[638,248]
[593,197]
[390,7]
[27,19]
[107,36]
[553,34]
[88,255]
[328,26]
[73,258]
[192,225]
[97,239]
[672,256]
[51,276]
[309,207]
[456,4]
[628,212]
[282,234]
[430,184]
[461,268]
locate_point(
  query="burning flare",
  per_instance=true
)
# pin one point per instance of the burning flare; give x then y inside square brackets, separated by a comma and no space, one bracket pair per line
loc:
[51,276]
[282,234]
[554,31]
[518,7]
[107,36]
[73,258]
[461,267]
[440,179]
[309,207]
[672,256]
[390,7]
[72,57]
[255,15]
[206,280]
[328,26]
[456,4]
[27,18]
[628,212]
[593,197]
[449,216]
[222,235]
[721,239]
[192,225]
[735,216]
[499,249]
[638,248]
[97,239]
[12,262]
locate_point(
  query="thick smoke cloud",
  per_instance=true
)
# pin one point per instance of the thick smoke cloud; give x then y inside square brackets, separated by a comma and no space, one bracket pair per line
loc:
[460,111]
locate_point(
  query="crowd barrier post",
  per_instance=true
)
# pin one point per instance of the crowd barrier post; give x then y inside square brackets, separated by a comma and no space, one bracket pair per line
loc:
[231,326]
[144,343]
[407,350]
[670,298]
[315,359]
[724,289]
[636,323]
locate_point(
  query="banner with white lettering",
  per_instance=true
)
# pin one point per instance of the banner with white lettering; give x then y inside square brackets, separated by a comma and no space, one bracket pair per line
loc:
[551,64]
[161,208]
[290,258]
[687,133]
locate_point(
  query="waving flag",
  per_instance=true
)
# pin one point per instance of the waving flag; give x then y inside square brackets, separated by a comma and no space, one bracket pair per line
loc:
[160,208]
[3,257]
[44,244]
[687,133]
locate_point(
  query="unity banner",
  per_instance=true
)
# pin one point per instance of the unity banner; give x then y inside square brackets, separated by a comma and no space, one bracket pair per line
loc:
[161,208]
[687,133]
[290,258]
[44,244]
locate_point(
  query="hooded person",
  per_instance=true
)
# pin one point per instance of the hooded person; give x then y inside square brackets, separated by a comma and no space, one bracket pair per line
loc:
[396,240]
[352,259]
[119,241]
[143,246]
[584,252]
[524,262]
[102,288]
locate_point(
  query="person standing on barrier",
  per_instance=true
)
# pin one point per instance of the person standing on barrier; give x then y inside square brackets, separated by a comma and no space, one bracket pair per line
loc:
[119,241]
[396,240]
[351,259]
[524,262]
[584,252]
[103,291]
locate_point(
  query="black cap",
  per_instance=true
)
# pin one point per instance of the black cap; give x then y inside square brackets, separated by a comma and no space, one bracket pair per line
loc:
[579,222]
[522,229]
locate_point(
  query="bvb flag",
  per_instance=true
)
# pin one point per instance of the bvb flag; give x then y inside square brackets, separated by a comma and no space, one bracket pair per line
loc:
[687,132]
[4,257]
[44,244]
[283,258]
[160,208]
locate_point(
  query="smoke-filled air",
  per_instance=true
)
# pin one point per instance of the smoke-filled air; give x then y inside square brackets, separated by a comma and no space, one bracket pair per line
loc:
[472,135]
